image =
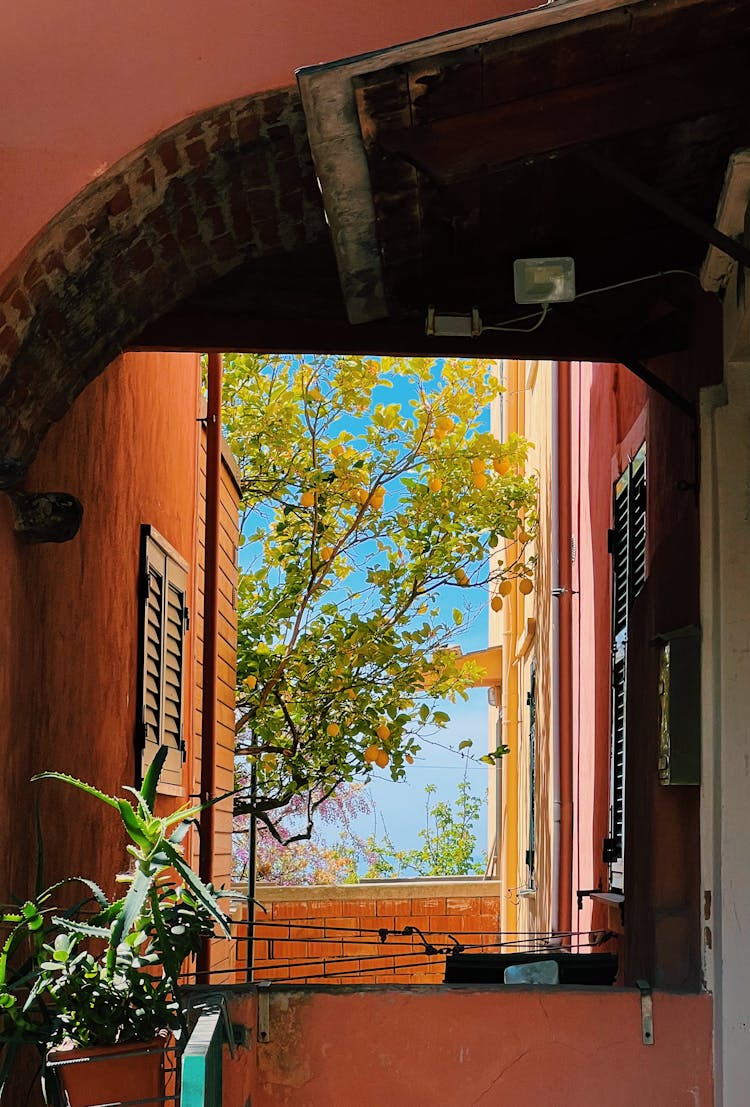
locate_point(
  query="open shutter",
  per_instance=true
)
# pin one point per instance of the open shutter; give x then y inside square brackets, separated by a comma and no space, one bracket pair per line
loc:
[637,523]
[164,624]
[628,549]
[531,701]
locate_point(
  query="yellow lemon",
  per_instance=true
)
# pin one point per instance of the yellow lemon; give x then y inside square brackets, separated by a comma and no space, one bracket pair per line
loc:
[383,732]
[351,693]
[333,730]
[250,682]
[501,465]
[371,753]
[326,552]
[496,603]
[506,588]
[477,464]
[382,759]
[444,423]
[524,537]
[435,484]
[409,759]
[337,450]
[480,480]
[525,586]
[307,499]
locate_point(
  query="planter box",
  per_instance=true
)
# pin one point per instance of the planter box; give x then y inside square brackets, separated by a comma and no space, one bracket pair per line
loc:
[98,1075]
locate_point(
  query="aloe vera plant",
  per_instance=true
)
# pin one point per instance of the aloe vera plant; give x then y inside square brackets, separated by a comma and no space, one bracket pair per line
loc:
[131,990]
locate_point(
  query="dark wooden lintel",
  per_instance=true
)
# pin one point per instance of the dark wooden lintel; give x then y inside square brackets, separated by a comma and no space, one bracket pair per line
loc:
[462,146]
[561,338]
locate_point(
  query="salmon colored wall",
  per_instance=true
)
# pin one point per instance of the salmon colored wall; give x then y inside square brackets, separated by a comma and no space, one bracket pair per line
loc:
[607,401]
[301,927]
[662,866]
[81,88]
[127,450]
[462,1047]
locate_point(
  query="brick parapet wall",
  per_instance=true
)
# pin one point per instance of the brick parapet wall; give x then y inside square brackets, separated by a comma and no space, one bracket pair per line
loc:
[307,934]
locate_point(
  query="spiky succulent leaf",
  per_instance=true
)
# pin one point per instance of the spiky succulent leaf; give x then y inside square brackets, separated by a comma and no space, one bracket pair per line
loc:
[151,779]
[80,784]
[204,895]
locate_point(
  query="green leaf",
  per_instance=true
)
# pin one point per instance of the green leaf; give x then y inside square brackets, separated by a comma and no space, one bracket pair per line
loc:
[458,616]
[465,744]
[112,801]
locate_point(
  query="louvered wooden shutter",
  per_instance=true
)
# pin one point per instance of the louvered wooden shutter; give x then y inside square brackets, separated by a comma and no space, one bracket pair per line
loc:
[164,622]
[628,549]
[637,508]
[531,701]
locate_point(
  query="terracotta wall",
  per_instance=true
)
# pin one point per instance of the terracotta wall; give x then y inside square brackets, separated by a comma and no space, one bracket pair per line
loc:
[129,450]
[457,1046]
[307,934]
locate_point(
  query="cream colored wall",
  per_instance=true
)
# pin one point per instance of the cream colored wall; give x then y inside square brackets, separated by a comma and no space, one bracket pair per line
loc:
[725,617]
[524,629]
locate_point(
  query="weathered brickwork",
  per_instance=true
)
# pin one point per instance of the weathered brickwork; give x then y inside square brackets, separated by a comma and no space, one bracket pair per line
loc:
[330,935]
[212,193]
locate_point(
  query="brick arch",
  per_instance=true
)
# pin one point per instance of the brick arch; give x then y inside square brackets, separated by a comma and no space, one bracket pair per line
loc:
[212,193]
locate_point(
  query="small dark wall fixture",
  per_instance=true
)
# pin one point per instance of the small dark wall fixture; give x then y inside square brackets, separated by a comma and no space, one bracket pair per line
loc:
[46,516]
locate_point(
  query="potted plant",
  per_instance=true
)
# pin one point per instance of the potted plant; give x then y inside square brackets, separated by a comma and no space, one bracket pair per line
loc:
[111,976]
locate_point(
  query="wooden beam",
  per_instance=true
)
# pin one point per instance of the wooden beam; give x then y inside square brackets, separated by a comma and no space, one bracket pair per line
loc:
[563,337]
[462,146]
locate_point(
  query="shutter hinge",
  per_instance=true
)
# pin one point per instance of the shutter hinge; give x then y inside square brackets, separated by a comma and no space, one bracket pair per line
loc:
[185,619]
[529,699]
[611,541]
[610,850]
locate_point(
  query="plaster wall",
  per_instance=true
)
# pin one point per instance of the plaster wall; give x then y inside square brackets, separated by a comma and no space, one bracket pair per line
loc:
[725,606]
[82,87]
[465,1047]
[128,450]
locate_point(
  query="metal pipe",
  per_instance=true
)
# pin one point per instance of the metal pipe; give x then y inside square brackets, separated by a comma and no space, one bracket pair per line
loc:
[565,653]
[252,854]
[210,627]
[555,667]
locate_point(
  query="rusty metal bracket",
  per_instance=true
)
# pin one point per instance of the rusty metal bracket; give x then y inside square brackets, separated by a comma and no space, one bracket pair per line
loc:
[647,1012]
[264,1010]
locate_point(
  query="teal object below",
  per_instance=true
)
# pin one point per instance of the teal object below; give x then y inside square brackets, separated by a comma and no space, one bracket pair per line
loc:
[201,1062]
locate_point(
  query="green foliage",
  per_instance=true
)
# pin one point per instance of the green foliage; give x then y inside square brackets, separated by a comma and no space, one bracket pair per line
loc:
[106,972]
[448,841]
[359,513]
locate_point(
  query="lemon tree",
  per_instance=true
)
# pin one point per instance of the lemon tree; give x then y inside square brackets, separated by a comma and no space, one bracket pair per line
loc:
[370,493]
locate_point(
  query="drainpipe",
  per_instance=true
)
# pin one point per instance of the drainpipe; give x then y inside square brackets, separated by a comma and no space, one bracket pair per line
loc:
[564,647]
[210,627]
[555,669]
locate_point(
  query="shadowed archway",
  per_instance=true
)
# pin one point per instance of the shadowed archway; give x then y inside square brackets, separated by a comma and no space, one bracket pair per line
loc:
[219,191]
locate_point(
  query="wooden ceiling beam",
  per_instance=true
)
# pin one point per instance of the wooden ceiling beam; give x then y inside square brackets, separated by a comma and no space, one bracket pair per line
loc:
[562,337]
[462,146]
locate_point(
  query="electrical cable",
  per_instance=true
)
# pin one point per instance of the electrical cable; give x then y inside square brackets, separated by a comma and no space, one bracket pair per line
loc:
[505,325]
